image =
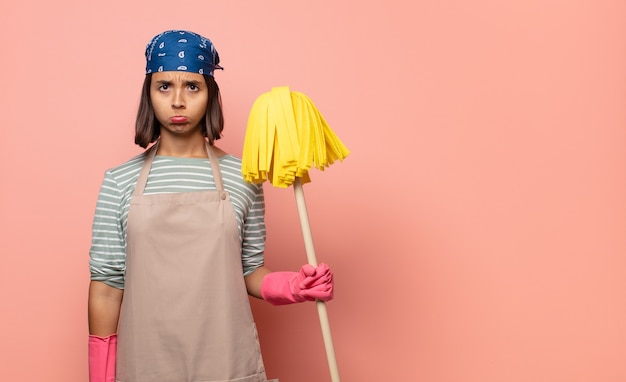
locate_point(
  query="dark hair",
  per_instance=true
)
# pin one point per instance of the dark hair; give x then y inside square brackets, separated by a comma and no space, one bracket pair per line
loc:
[148,130]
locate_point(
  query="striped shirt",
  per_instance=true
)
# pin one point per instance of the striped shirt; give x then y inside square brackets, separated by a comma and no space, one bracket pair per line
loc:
[169,175]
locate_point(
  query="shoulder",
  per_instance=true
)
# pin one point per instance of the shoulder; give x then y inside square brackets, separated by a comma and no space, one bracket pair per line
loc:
[230,160]
[132,165]
[231,167]
[124,175]
[231,172]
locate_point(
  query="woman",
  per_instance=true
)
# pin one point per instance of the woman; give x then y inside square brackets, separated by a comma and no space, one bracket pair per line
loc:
[178,239]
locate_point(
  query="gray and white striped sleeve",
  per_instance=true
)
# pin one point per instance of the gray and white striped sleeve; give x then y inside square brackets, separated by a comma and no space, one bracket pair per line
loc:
[254,235]
[107,261]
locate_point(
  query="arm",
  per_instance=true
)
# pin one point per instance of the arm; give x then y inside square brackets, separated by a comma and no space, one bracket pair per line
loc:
[107,257]
[103,312]
[277,288]
[103,308]
[254,281]
[107,265]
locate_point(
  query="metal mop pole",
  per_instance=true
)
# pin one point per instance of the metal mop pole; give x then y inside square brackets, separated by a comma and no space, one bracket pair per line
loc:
[310,254]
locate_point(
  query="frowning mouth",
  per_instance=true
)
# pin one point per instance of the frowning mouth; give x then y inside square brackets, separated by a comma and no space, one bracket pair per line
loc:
[178,119]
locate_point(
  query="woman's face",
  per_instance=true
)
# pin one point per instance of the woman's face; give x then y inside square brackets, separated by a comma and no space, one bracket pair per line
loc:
[180,101]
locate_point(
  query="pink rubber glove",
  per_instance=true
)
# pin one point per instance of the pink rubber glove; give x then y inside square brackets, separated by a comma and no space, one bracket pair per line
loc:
[310,284]
[102,354]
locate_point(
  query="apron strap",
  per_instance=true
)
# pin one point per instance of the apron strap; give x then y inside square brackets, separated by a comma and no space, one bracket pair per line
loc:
[215,166]
[145,169]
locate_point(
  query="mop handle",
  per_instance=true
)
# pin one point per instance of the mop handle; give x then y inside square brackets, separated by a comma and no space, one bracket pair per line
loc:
[310,254]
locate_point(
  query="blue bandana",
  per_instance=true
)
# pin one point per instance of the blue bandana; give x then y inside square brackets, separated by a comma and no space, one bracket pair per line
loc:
[181,51]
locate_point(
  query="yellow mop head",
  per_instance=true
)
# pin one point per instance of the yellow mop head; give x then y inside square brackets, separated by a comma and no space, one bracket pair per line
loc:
[285,134]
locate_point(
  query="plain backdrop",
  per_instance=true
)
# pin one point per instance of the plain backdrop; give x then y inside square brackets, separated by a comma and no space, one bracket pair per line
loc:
[477,229]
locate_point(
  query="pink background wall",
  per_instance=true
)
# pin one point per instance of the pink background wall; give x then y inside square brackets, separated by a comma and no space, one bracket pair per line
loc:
[477,230]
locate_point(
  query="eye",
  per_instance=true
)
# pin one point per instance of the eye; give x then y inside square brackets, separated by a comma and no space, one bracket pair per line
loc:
[193,87]
[163,87]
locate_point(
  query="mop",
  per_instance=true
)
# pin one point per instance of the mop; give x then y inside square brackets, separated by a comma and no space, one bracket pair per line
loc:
[285,135]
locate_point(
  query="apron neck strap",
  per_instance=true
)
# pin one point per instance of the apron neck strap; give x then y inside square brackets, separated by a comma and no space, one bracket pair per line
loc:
[215,166]
[145,169]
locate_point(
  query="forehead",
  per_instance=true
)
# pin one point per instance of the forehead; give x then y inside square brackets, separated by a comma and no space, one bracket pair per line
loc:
[177,76]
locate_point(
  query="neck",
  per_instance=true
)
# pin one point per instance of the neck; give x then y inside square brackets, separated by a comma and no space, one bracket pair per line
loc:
[183,147]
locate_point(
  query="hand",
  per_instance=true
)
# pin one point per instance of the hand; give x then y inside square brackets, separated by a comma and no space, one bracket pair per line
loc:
[309,284]
[314,283]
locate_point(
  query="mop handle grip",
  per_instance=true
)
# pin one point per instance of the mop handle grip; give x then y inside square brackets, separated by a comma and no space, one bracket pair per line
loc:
[310,254]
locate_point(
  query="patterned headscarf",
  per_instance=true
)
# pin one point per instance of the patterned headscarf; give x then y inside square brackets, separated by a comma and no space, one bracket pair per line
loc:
[179,50]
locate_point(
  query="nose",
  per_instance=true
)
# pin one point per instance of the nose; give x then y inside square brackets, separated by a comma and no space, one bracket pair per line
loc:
[178,101]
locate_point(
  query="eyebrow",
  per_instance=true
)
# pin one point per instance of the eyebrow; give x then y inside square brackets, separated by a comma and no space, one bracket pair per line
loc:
[193,82]
[169,83]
